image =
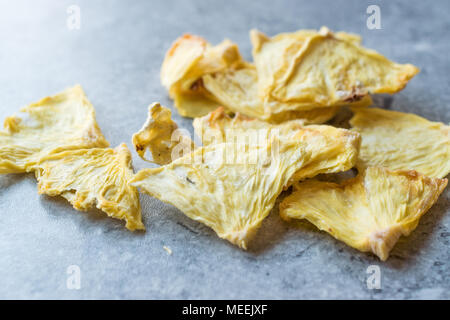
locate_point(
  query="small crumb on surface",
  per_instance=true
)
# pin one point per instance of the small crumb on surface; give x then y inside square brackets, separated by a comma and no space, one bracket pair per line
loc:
[168,250]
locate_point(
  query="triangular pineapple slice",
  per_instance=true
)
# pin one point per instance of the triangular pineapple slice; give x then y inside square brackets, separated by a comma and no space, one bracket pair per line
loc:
[330,149]
[160,134]
[208,184]
[93,177]
[402,141]
[189,58]
[306,70]
[369,212]
[230,187]
[64,121]
[273,55]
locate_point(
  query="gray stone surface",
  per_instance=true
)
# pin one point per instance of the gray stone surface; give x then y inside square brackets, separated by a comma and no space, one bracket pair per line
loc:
[116,56]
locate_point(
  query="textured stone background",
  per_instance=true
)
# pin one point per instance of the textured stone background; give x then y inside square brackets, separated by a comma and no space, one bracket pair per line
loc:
[116,56]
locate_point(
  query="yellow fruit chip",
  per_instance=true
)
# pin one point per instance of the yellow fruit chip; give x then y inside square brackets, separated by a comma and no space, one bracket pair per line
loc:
[402,141]
[65,121]
[227,186]
[329,149]
[369,212]
[96,177]
[189,58]
[160,135]
[305,70]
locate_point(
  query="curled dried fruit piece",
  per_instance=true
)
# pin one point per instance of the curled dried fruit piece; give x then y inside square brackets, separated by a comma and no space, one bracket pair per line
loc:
[305,70]
[229,187]
[273,55]
[185,52]
[93,177]
[190,58]
[208,185]
[160,135]
[329,149]
[65,121]
[369,212]
[402,141]
[237,90]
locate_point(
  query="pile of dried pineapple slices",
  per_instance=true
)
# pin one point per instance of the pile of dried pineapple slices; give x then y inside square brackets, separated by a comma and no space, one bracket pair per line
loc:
[59,140]
[260,127]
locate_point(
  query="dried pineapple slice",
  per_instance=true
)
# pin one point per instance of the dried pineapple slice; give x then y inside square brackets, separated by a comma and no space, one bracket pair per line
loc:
[93,177]
[237,90]
[402,141]
[189,58]
[330,149]
[306,70]
[159,134]
[61,122]
[272,55]
[227,186]
[369,212]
